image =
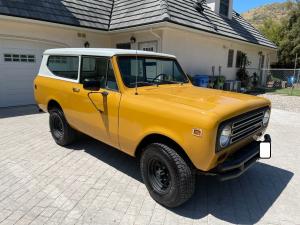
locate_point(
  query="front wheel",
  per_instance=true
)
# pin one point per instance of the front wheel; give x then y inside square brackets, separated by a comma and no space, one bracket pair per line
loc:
[168,178]
[61,131]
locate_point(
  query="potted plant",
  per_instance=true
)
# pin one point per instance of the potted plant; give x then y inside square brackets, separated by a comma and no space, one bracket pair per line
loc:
[242,73]
[270,81]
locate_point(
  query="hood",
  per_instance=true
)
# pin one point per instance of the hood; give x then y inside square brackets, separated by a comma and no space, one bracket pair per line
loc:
[204,99]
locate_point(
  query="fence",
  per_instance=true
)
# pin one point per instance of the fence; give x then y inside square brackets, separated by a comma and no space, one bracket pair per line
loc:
[284,81]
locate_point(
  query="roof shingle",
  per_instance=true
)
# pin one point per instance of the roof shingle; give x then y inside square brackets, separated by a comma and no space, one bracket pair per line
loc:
[120,14]
[85,13]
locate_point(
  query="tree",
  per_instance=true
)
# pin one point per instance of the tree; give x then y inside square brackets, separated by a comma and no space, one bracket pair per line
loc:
[285,34]
[289,46]
[273,30]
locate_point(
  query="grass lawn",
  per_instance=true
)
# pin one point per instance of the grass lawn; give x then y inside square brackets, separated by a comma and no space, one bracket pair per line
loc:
[286,91]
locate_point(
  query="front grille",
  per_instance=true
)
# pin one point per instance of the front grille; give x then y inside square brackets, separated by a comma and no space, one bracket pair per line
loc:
[247,125]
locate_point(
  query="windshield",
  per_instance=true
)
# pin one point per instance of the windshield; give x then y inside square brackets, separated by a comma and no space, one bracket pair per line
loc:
[147,71]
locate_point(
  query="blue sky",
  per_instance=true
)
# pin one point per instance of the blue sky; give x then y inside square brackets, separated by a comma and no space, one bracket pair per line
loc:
[244,5]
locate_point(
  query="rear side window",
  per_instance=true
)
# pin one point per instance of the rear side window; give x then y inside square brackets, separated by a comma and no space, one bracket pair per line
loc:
[64,66]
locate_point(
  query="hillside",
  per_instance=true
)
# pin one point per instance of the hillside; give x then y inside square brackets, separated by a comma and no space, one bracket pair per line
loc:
[275,11]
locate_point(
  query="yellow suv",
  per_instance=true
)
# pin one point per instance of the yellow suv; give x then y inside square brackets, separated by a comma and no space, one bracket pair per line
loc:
[143,104]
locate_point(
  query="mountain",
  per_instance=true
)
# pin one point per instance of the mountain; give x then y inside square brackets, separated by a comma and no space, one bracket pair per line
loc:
[274,11]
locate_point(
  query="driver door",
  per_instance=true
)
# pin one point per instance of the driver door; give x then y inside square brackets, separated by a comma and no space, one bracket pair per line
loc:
[95,111]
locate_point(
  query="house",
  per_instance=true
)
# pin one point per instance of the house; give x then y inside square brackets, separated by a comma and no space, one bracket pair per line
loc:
[203,35]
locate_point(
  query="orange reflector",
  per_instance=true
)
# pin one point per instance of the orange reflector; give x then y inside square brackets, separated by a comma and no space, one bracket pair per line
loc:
[197,132]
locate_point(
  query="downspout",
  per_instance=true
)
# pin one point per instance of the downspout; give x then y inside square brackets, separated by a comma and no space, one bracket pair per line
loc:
[157,36]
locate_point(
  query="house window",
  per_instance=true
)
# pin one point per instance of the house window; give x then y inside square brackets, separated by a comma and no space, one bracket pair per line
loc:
[19,58]
[150,46]
[224,7]
[7,58]
[230,58]
[124,46]
[64,66]
[239,59]
[148,49]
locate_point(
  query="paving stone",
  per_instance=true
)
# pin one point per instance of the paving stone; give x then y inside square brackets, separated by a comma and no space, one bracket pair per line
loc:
[90,183]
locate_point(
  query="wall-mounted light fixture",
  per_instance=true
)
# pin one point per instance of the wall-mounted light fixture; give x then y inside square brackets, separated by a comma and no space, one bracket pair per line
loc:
[132,40]
[87,44]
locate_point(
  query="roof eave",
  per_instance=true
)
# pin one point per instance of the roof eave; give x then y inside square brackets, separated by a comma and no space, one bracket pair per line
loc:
[51,23]
[165,22]
[168,23]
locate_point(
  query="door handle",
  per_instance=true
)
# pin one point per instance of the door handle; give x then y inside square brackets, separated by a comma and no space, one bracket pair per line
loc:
[76,90]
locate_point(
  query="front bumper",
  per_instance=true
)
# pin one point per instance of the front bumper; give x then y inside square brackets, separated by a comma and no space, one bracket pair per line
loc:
[239,162]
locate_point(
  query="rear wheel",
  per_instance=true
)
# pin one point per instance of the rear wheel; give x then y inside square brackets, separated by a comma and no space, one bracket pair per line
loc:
[61,131]
[168,178]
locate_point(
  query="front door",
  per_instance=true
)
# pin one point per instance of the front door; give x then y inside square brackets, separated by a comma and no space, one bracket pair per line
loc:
[95,112]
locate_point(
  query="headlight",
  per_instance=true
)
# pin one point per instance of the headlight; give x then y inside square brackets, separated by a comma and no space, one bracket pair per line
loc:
[266,118]
[225,136]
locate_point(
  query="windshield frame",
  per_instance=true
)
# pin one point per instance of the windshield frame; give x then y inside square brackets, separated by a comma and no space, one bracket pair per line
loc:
[157,58]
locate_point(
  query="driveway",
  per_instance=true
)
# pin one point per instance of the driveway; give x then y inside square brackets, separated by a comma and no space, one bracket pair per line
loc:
[91,183]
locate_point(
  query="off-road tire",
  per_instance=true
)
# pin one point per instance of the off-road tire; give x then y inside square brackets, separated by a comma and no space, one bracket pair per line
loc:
[61,131]
[181,176]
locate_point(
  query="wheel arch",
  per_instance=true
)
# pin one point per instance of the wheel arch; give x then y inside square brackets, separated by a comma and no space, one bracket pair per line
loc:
[52,104]
[163,139]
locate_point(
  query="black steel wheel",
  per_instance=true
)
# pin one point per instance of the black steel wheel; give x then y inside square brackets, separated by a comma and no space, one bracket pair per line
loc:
[57,127]
[61,131]
[168,178]
[159,176]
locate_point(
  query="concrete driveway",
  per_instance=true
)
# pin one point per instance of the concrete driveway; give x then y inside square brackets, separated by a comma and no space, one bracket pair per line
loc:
[91,183]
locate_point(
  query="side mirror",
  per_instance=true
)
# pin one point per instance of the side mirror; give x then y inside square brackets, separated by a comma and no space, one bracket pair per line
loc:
[91,84]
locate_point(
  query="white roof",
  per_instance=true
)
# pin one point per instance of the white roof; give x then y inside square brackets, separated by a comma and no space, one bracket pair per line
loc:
[107,52]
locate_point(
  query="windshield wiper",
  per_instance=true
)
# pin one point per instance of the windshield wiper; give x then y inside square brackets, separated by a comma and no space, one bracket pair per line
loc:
[141,83]
[168,82]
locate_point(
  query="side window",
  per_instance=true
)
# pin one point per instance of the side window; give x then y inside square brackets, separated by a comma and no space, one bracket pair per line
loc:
[94,68]
[64,66]
[99,69]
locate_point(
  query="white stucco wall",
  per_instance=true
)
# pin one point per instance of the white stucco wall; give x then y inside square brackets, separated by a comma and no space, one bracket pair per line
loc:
[148,35]
[56,34]
[197,52]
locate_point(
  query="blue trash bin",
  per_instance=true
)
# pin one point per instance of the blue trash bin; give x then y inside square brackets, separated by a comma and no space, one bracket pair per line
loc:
[291,81]
[201,80]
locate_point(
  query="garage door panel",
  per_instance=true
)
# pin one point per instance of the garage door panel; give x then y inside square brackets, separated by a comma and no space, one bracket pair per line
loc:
[26,89]
[16,77]
[13,100]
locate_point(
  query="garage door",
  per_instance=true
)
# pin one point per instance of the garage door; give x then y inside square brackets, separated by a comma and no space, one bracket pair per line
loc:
[19,63]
